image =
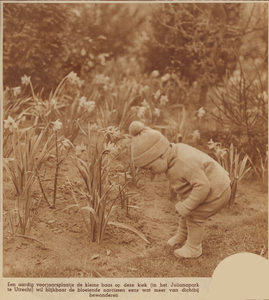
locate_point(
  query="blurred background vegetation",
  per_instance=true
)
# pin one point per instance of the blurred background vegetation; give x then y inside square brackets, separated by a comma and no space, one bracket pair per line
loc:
[196,71]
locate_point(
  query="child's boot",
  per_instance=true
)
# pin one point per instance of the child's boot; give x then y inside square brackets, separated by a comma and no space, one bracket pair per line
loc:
[181,235]
[193,246]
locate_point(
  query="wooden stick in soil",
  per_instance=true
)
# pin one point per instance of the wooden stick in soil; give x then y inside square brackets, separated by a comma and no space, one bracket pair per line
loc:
[42,190]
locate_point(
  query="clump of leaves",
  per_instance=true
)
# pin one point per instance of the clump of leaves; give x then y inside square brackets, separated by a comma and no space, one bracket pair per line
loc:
[230,160]
[28,156]
[95,174]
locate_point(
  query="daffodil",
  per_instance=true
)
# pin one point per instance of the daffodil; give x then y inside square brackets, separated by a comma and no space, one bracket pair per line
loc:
[57,125]
[212,145]
[157,95]
[145,104]
[165,77]
[157,112]
[101,79]
[201,112]
[220,152]
[102,58]
[10,124]
[195,135]
[155,73]
[25,80]
[53,103]
[72,76]
[164,99]
[111,147]
[143,89]
[113,131]
[82,101]
[195,85]
[89,106]
[141,112]
[16,91]
[64,144]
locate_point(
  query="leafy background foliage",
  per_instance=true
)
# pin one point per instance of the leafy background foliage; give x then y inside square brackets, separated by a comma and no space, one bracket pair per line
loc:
[199,45]
[48,41]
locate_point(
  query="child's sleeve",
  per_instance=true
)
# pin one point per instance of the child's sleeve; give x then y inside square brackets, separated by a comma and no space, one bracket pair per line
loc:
[200,188]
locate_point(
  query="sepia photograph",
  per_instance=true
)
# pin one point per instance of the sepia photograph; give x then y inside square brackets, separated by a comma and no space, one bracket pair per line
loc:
[134,146]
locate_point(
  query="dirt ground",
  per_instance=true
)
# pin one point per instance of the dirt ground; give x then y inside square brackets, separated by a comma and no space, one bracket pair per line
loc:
[62,247]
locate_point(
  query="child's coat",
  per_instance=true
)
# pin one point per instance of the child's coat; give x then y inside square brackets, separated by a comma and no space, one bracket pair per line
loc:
[197,178]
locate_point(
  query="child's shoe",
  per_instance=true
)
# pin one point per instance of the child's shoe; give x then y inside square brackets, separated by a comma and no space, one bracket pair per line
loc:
[188,251]
[176,240]
[193,246]
[181,235]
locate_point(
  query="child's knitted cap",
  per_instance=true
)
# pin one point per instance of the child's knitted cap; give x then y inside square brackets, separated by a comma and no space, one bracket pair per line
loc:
[147,144]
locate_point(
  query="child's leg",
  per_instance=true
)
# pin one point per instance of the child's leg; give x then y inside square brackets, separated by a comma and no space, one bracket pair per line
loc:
[196,226]
[181,235]
[193,245]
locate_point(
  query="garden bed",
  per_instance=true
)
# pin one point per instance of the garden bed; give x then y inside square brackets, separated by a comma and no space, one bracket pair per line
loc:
[61,248]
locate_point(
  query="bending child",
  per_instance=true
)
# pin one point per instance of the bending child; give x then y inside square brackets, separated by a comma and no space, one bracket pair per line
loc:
[202,184]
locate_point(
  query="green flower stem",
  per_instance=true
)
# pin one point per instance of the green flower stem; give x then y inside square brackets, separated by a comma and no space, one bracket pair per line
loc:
[56,171]
[58,87]
[42,190]
[33,93]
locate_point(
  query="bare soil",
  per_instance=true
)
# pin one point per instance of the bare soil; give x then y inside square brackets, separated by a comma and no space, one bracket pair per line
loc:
[61,246]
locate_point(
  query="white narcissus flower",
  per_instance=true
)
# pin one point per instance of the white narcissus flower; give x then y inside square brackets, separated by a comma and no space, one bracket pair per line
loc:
[157,95]
[57,125]
[143,89]
[74,79]
[89,106]
[195,135]
[83,52]
[10,124]
[164,99]
[201,112]
[54,103]
[102,58]
[145,104]
[157,112]
[101,79]
[82,101]
[113,131]
[141,112]
[16,91]
[90,64]
[72,76]
[64,144]
[165,77]
[212,145]
[155,73]
[220,152]
[111,147]
[195,85]
[80,149]
[25,80]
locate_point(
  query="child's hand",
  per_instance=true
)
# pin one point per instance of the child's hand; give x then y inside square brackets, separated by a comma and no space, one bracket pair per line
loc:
[181,209]
[177,207]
